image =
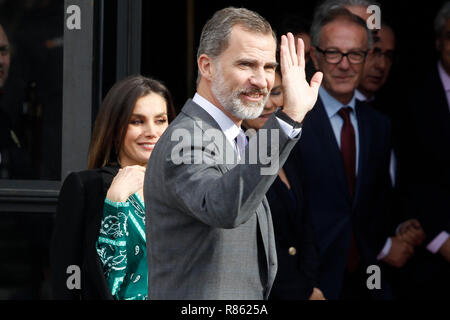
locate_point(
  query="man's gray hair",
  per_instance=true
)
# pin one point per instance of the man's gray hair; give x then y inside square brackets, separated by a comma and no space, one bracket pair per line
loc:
[216,32]
[326,5]
[441,18]
[333,14]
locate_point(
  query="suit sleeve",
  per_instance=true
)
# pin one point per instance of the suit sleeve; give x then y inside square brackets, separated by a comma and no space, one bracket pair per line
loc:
[226,199]
[67,240]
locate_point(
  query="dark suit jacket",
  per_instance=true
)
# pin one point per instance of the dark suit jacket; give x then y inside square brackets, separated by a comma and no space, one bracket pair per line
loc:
[77,226]
[327,198]
[297,271]
[424,180]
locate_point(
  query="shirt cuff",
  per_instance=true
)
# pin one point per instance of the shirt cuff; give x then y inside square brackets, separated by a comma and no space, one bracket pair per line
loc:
[288,129]
[437,242]
[386,249]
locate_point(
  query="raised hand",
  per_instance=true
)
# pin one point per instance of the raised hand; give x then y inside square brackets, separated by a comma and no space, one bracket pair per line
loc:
[299,96]
[128,181]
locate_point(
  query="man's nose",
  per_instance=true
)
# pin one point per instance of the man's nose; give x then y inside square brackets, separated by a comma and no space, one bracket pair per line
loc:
[381,62]
[258,79]
[344,64]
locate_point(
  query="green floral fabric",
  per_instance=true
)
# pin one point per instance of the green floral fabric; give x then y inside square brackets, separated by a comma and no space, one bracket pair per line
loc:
[122,250]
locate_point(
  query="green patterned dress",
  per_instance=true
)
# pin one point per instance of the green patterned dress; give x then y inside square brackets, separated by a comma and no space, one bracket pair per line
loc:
[122,250]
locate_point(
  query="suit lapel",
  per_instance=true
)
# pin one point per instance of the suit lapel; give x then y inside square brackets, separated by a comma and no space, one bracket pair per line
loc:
[320,123]
[364,139]
[198,114]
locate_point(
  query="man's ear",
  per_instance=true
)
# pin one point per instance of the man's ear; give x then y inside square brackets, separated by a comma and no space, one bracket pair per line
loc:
[313,55]
[206,66]
[438,45]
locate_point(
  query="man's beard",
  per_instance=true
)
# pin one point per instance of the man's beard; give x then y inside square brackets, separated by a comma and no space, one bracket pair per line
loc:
[231,101]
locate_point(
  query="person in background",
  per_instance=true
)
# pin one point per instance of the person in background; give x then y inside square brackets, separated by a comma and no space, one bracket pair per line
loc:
[424,175]
[346,183]
[297,253]
[15,162]
[100,218]
[408,231]
[377,66]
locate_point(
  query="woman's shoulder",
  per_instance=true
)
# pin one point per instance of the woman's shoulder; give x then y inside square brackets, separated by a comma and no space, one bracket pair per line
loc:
[89,177]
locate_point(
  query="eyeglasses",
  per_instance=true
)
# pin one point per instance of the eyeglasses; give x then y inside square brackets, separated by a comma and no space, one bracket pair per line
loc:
[378,53]
[334,56]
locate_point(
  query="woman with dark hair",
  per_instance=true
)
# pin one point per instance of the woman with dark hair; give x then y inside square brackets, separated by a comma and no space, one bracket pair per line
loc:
[98,249]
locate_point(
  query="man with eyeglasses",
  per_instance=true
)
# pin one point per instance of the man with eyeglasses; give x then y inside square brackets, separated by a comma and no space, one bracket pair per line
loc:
[344,163]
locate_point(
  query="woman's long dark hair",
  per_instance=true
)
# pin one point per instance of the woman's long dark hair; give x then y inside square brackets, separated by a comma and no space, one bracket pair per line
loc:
[112,120]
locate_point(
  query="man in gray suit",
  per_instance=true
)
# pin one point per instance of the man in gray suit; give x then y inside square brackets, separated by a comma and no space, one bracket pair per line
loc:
[208,224]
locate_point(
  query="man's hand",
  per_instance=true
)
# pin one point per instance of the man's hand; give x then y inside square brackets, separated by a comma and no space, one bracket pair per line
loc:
[445,250]
[299,96]
[411,232]
[399,254]
[317,295]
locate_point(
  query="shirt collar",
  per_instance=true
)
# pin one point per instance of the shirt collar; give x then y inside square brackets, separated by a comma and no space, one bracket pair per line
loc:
[229,128]
[332,106]
[445,78]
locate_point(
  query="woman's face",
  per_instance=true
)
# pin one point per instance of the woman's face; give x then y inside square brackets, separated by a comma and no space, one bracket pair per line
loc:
[147,123]
[275,101]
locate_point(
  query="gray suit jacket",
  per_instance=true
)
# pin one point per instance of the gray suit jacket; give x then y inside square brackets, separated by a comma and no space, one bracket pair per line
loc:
[208,224]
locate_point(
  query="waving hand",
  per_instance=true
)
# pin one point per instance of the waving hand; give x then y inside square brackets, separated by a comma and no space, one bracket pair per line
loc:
[299,96]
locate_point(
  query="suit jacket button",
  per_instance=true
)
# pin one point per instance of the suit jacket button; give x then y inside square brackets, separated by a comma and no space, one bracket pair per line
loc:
[292,251]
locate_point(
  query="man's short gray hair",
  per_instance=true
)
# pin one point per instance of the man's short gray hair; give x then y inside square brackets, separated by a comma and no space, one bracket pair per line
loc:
[216,32]
[441,18]
[333,14]
[326,5]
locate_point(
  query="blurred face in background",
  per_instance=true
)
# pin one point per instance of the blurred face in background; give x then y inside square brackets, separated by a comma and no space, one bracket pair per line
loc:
[147,123]
[5,57]
[378,63]
[443,46]
[273,103]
